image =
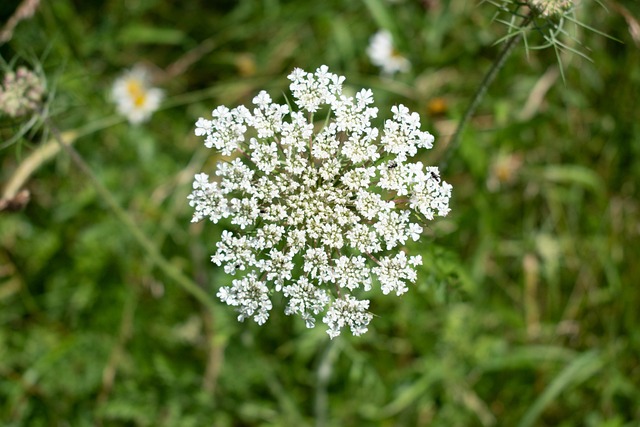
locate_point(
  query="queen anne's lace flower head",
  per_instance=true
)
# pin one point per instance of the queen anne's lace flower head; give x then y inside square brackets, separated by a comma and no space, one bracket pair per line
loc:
[321,213]
[21,92]
[548,8]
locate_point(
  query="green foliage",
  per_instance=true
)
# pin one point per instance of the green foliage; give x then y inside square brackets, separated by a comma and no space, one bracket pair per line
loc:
[526,309]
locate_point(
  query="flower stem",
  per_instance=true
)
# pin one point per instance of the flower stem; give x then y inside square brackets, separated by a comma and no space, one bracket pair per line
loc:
[325,369]
[506,51]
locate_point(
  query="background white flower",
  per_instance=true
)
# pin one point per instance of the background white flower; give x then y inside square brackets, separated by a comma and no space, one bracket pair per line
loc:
[384,55]
[134,97]
[321,217]
[21,92]
[549,8]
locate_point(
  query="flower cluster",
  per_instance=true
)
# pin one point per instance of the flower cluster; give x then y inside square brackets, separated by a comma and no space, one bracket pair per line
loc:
[21,92]
[321,213]
[384,55]
[548,8]
[134,97]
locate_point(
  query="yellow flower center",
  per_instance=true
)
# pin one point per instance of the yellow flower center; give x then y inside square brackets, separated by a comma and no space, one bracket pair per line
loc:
[137,92]
[396,54]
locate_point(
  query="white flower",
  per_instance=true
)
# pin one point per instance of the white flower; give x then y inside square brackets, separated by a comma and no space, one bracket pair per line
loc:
[21,92]
[348,311]
[134,97]
[319,217]
[549,8]
[250,295]
[352,272]
[393,271]
[383,54]
[305,299]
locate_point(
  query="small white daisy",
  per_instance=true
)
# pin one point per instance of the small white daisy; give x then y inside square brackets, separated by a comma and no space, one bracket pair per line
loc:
[383,54]
[134,97]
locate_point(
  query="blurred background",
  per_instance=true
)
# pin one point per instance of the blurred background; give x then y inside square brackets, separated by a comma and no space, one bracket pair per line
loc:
[525,312]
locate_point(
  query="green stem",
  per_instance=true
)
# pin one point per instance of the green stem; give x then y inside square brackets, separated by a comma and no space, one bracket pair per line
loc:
[506,51]
[98,125]
[154,254]
[325,369]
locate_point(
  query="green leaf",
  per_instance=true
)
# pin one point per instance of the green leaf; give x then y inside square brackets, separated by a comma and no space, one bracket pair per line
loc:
[581,369]
[143,34]
[574,174]
[529,357]
[381,14]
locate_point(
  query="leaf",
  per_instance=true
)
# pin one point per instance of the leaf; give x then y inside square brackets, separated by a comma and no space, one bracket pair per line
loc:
[136,33]
[382,16]
[581,369]
[574,174]
[529,357]
[410,394]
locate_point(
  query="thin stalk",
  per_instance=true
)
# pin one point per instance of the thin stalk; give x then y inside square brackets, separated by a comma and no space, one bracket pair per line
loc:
[152,252]
[506,51]
[118,350]
[325,368]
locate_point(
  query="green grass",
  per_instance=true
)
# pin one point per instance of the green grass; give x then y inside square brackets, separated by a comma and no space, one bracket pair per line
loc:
[525,312]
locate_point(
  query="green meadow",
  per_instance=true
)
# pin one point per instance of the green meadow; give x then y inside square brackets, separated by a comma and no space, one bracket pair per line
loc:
[525,312]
